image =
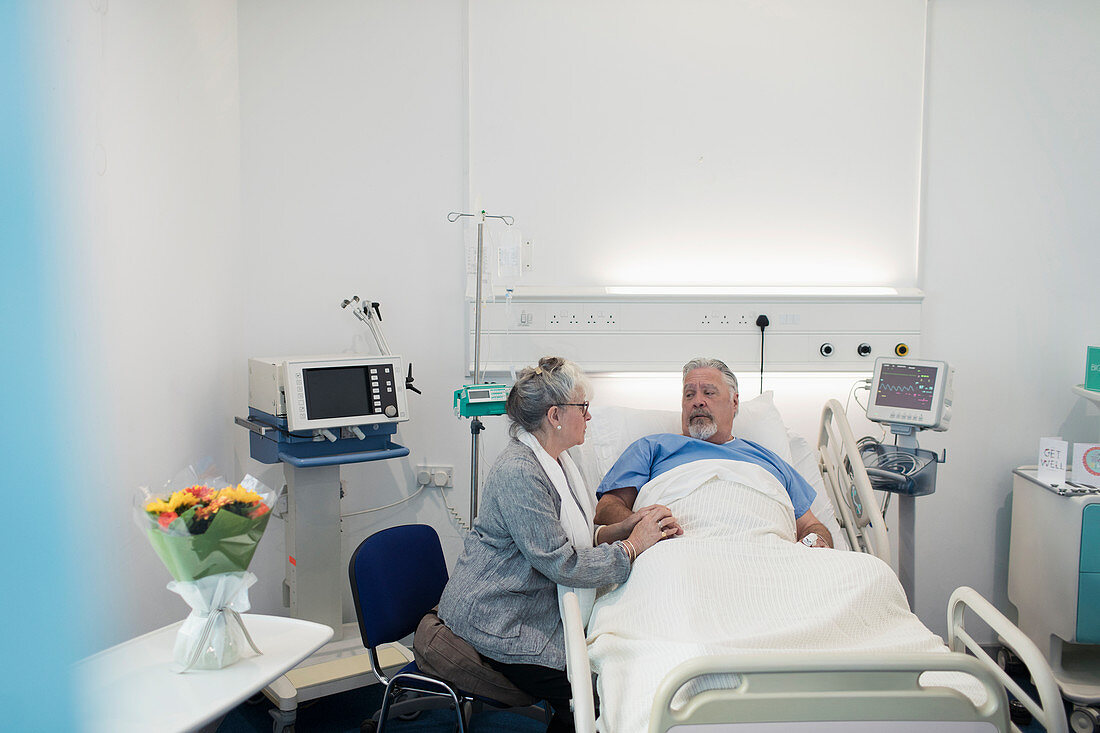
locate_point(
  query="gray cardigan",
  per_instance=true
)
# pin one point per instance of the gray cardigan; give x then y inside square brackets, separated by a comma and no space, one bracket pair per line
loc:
[502,595]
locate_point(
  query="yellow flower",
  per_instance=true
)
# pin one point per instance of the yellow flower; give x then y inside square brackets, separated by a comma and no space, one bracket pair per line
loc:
[181,500]
[238,494]
[158,506]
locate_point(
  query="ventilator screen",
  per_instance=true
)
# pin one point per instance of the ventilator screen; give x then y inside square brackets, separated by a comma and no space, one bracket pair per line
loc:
[337,392]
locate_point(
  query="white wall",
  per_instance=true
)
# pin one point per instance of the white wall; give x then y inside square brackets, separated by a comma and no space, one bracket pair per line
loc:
[352,152]
[146,113]
[643,142]
[1009,263]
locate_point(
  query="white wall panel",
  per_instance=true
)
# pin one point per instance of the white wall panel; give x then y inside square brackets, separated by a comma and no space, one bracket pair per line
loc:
[701,142]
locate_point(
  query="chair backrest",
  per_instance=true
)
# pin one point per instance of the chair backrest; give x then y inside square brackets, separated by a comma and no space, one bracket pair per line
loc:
[397,575]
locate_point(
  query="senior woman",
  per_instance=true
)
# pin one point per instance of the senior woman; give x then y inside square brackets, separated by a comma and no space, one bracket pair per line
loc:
[533,533]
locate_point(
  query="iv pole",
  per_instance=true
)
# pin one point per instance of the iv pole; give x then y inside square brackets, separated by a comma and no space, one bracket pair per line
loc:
[476,426]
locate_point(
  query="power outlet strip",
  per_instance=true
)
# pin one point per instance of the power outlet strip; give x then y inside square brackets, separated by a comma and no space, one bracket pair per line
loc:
[432,475]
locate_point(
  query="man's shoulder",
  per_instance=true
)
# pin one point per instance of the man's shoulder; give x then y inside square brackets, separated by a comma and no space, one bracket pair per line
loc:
[746,444]
[662,439]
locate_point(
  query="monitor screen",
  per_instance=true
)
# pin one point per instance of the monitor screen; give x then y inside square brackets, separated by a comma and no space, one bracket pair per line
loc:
[907,386]
[337,392]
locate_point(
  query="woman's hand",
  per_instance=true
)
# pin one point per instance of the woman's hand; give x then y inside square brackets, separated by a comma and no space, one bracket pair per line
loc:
[621,530]
[655,524]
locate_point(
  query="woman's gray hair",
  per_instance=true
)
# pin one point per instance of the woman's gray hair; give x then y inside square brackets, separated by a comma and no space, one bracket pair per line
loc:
[539,388]
[704,363]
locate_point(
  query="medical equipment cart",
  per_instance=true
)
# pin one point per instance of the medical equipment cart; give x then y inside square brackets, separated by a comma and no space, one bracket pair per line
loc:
[1054,582]
[313,415]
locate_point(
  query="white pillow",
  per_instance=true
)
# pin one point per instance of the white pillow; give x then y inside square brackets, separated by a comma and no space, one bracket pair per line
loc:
[758,420]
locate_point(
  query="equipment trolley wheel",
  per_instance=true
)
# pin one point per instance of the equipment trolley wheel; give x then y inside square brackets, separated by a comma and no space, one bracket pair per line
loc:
[1009,662]
[1084,720]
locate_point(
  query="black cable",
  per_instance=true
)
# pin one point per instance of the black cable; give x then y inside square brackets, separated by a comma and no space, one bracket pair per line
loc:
[763,322]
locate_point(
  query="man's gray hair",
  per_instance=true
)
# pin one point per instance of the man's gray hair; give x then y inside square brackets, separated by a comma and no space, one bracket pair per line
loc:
[704,363]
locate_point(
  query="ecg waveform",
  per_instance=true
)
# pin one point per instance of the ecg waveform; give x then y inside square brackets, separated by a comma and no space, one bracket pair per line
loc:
[906,386]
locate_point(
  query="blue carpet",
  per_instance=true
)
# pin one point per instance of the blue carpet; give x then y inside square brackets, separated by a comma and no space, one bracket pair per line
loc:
[342,713]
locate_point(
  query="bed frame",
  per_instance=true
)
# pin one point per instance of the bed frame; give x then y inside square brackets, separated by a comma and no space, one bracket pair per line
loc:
[841,692]
[857,510]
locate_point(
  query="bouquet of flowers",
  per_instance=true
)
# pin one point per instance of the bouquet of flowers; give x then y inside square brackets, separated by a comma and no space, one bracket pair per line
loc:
[206,537]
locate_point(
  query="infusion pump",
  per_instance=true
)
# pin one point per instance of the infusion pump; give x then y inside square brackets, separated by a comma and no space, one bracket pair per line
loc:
[319,392]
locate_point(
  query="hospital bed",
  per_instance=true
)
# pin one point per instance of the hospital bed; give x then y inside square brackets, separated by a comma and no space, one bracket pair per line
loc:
[758,692]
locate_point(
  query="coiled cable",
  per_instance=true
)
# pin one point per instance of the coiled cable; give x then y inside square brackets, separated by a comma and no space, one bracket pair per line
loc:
[890,470]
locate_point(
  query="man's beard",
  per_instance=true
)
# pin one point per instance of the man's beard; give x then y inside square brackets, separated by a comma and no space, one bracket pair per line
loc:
[702,430]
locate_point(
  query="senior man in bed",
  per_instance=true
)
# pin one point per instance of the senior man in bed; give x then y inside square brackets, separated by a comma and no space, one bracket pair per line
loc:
[708,409]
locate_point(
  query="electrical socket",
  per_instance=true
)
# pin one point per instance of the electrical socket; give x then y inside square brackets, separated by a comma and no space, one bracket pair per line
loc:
[721,320]
[597,320]
[433,475]
[582,320]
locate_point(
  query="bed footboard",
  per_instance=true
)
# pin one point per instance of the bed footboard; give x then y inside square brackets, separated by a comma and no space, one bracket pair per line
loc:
[849,488]
[1048,710]
[865,692]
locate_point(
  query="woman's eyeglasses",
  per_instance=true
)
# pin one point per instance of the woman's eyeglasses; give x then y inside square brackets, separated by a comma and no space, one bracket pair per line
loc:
[582,405]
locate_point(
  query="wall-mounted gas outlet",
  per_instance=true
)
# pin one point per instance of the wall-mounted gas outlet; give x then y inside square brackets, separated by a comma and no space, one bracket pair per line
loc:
[431,475]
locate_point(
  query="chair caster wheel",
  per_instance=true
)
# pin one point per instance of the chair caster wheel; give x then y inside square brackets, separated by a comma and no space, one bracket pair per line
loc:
[368,726]
[1084,720]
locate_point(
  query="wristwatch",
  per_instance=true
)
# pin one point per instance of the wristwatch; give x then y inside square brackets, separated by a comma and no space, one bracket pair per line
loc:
[810,539]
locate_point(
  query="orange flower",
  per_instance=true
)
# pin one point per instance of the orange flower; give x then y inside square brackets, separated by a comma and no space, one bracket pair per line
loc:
[259,511]
[167,518]
[202,493]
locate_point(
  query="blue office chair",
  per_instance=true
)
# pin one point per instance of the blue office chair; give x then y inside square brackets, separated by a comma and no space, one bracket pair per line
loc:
[397,576]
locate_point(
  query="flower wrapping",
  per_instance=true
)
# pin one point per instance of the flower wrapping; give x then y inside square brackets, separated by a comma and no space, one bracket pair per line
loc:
[206,534]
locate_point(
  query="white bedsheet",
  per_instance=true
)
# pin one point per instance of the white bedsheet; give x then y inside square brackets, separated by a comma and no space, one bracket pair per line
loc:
[736,581]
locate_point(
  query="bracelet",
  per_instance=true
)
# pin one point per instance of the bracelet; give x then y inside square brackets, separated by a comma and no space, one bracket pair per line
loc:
[631,553]
[596,535]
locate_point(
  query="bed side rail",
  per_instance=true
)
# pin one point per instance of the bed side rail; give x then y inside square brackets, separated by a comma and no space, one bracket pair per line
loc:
[849,488]
[576,665]
[1049,710]
[827,686]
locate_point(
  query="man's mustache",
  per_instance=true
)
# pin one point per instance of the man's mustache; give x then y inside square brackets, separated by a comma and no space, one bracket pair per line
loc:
[700,413]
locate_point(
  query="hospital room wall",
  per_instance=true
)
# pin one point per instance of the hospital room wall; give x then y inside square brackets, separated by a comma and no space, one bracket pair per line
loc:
[144,156]
[1008,263]
[352,155]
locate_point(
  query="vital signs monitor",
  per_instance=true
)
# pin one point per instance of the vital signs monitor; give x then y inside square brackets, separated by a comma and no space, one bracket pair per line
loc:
[911,392]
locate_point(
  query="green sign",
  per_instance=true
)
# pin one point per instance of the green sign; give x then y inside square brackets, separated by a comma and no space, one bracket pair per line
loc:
[1092,369]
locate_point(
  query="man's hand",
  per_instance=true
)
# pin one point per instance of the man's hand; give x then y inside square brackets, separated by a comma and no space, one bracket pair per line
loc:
[809,523]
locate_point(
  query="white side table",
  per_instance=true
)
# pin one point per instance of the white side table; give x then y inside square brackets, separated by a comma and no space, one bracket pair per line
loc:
[131,687]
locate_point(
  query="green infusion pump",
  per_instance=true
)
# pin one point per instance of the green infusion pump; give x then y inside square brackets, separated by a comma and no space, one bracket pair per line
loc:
[476,400]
